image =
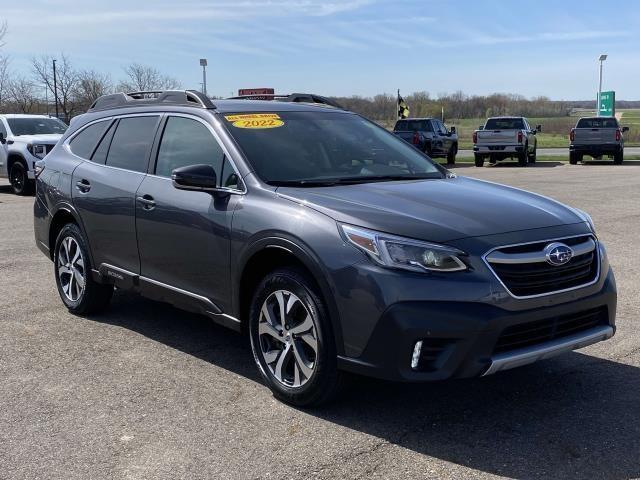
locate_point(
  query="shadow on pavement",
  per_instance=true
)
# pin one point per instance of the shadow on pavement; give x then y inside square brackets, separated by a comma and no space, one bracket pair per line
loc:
[541,164]
[610,162]
[575,416]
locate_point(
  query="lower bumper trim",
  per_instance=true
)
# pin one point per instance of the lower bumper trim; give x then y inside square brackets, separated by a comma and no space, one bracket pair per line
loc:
[525,356]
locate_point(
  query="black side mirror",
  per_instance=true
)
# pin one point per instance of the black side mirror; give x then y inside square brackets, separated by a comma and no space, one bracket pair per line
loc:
[2,139]
[625,129]
[481,127]
[452,130]
[538,128]
[195,177]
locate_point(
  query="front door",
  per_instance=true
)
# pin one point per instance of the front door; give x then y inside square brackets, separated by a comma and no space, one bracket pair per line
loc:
[184,235]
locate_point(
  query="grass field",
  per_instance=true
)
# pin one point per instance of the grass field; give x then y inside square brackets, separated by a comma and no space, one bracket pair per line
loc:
[555,130]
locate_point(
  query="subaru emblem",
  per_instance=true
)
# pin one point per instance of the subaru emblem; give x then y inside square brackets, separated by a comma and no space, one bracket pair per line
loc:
[557,253]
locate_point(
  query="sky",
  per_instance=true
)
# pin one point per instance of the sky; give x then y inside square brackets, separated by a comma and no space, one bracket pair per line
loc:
[344,48]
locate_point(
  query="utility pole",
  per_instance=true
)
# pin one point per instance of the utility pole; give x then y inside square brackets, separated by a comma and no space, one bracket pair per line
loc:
[602,58]
[203,64]
[55,86]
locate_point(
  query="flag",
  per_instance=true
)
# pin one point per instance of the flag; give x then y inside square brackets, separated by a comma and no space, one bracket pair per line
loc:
[403,108]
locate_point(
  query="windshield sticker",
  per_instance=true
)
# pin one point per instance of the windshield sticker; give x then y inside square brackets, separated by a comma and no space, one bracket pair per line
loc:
[255,120]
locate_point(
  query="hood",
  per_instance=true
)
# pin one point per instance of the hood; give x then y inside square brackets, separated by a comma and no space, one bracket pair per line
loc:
[435,210]
[49,139]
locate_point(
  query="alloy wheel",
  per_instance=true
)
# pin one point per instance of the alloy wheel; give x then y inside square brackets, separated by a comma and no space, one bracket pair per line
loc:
[288,338]
[71,269]
[17,179]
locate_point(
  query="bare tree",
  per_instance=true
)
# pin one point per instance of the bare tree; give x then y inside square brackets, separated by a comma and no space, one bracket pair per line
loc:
[145,78]
[4,79]
[66,84]
[22,93]
[91,85]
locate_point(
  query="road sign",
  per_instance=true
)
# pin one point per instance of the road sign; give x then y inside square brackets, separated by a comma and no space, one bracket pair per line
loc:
[607,104]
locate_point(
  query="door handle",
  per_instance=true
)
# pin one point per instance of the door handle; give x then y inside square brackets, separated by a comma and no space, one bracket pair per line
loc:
[83,185]
[147,202]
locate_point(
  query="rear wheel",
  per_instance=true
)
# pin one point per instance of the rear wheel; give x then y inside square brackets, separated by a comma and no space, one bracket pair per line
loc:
[451,155]
[618,157]
[292,340]
[77,289]
[19,179]
[479,159]
[573,158]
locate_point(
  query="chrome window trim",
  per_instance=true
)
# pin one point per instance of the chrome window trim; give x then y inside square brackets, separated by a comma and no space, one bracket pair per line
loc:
[555,292]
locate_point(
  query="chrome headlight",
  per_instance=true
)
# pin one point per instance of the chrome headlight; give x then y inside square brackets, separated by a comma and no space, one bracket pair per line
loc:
[38,151]
[404,253]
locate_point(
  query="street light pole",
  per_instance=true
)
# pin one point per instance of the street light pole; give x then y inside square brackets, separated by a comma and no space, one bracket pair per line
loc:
[203,64]
[55,87]
[602,58]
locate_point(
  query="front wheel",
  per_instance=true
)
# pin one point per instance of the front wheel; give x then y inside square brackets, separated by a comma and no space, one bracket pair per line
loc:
[522,157]
[618,157]
[291,339]
[19,179]
[451,155]
[479,159]
[533,155]
[79,292]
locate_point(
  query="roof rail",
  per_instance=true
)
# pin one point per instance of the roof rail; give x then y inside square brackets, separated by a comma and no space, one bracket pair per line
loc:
[152,97]
[311,98]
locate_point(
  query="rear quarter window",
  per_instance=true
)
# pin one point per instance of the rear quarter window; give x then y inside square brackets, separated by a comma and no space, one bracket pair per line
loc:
[84,142]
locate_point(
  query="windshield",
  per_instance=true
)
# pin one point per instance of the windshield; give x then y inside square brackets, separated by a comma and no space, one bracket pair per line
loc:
[36,126]
[504,124]
[597,123]
[309,148]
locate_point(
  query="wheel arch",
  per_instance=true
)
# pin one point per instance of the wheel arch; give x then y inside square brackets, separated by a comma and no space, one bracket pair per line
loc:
[64,215]
[270,253]
[14,157]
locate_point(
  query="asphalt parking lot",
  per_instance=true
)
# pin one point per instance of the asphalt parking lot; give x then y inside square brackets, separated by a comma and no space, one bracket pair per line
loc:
[146,391]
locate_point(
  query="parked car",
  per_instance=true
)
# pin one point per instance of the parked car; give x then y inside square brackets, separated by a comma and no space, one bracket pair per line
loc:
[337,246]
[506,137]
[596,137]
[25,139]
[429,135]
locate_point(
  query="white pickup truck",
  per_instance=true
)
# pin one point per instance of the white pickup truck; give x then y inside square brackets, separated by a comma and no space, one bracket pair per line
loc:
[25,139]
[596,137]
[505,137]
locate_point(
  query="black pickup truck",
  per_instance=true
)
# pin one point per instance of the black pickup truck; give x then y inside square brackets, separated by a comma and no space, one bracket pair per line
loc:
[430,136]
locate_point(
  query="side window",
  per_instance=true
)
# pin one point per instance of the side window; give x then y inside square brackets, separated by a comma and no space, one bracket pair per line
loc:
[84,142]
[3,130]
[131,143]
[427,126]
[229,178]
[100,155]
[187,142]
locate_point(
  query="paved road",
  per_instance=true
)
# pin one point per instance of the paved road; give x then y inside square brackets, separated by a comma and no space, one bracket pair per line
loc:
[555,152]
[146,391]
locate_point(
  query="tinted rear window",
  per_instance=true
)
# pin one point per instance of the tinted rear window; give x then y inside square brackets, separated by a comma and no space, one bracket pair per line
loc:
[504,124]
[84,142]
[413,126]
[597,123]
[131,143]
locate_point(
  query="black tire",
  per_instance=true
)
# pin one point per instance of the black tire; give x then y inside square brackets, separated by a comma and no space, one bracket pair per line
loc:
[19,179]
[493,159]
[427,149]
[618,157]
[534,155]
[451,155]
[94,296]
[573,158]
[522,157]
[323,383]
[479,159]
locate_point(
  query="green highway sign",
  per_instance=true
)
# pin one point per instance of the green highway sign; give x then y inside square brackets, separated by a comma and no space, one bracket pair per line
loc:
[607,104]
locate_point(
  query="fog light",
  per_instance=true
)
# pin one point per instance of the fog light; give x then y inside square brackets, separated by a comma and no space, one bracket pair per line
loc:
[415,358]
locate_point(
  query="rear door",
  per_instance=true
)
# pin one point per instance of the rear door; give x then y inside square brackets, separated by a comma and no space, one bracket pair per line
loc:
[104,190]
[184,235]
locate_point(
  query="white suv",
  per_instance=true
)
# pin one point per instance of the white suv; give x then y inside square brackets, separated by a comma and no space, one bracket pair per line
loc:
[25,139]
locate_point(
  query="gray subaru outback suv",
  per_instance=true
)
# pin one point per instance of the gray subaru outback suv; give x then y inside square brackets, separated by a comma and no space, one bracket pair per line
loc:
[336,245]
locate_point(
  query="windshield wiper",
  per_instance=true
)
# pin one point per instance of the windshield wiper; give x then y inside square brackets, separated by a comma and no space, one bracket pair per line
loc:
[353,180]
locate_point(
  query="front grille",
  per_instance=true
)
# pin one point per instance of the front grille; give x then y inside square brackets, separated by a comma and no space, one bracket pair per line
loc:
[534,333]
[540,277]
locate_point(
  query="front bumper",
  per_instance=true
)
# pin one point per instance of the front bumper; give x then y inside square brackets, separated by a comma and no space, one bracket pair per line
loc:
[464,335]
